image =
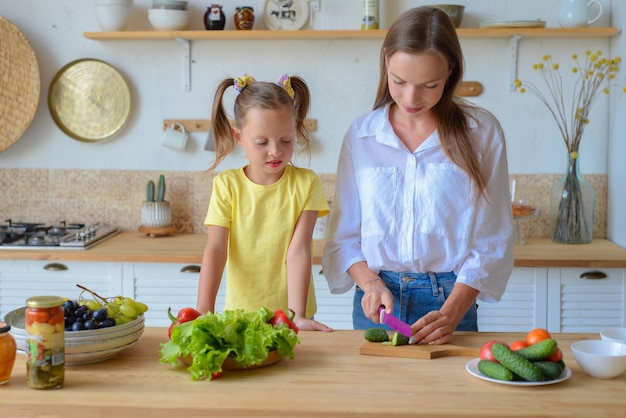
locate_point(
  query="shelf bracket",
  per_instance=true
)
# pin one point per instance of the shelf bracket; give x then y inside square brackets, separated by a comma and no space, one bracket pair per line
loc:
[513,60]
[186,63]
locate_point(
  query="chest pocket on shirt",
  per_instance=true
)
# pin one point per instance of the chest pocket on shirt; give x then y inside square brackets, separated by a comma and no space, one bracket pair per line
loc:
[450,206]
[377,191]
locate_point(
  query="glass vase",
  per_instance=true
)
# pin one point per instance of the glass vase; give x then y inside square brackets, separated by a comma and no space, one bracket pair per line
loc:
[572,204]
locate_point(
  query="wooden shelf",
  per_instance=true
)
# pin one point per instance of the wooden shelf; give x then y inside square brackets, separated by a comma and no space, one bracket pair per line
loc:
[229,35]
[185,37]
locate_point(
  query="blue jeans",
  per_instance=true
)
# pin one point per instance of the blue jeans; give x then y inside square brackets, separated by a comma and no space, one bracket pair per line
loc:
[415,294]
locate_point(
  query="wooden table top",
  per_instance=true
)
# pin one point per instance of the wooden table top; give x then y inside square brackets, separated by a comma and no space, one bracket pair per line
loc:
[328,377]
[188,248]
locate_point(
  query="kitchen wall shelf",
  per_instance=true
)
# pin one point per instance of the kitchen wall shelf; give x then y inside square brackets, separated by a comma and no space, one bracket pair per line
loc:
[186,36]
[230,35]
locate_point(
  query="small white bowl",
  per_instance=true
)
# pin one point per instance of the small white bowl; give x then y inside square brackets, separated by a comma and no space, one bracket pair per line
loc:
[600,359]
[614,334]
[169,19]
[113,15]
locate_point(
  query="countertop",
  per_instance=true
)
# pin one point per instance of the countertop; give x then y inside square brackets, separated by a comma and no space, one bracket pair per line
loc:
[328,377]
[187,248]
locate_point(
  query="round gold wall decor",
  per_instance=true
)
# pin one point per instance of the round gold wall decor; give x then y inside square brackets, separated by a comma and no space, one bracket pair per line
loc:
[19,84]
[89,100]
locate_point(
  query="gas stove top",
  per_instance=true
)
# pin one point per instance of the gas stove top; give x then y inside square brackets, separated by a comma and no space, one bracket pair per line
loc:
[38,236]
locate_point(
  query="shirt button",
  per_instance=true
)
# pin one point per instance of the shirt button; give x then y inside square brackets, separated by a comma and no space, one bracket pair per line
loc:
[409,210]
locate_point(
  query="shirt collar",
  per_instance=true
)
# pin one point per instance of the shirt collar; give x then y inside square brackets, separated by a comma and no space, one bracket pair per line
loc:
[376,124]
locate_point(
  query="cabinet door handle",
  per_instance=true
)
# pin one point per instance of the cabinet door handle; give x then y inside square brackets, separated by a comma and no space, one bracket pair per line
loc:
[55,267]
[190,269]
[594,274]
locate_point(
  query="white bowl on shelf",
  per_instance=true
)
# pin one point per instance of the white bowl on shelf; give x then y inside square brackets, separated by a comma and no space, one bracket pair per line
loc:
[170,4]
[169,19]
[113,15]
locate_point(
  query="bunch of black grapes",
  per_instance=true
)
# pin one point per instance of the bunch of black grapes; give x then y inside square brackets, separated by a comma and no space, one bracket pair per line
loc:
[80,317]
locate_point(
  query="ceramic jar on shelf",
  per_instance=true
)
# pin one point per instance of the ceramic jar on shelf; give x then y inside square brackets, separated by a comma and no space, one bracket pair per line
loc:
[214,17]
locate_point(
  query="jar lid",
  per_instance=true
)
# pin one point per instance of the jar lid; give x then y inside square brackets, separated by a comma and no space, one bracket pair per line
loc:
[44,301]
[4,327]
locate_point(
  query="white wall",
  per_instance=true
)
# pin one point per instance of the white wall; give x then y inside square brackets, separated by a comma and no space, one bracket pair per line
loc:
[616,219]
[342,76]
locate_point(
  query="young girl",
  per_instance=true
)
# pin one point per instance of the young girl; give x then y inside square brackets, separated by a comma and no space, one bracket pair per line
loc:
[261,217]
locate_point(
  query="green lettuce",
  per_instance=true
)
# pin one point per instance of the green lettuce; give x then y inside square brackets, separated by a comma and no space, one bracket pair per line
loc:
[210,339]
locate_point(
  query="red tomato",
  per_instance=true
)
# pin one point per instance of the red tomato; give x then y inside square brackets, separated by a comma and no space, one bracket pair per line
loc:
[557,356]
[537,335]
[485,350]
[518,345]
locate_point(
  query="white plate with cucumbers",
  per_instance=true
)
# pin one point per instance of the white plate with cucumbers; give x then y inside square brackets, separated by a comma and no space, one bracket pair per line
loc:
[472,368]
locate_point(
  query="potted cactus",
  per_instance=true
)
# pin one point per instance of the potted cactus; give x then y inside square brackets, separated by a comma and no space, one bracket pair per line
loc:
[156,211]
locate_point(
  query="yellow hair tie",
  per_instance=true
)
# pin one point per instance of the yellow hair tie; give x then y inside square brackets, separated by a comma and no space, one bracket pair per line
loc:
[285,82]
[242,82]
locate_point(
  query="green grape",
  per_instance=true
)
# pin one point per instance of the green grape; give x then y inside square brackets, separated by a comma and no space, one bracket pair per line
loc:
[141,307]
[131,303]
[92,304]
[127,310]
[122,319]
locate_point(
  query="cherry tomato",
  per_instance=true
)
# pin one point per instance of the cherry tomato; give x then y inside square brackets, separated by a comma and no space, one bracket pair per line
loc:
[518,345]
[485,350]
[557,356]
[537,335]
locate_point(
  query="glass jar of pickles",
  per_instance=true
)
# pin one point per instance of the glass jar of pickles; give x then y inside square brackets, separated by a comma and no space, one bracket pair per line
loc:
[45,342]
[8,350]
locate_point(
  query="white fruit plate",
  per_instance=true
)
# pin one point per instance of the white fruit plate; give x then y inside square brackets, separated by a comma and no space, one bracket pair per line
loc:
[472,368]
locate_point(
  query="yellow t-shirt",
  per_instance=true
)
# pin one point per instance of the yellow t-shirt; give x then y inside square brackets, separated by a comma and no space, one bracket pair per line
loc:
[261,219]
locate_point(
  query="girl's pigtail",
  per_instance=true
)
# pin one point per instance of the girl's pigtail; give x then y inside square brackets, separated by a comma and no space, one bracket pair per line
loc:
[224,142]
[301,103]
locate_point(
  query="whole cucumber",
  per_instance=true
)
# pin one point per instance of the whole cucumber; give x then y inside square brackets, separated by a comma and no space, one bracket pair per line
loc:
[539,351]
[494,370]
[516,363]
[376,334]
[551,369]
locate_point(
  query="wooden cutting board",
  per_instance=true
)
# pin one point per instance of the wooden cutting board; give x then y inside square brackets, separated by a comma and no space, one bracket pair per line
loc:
[419,351]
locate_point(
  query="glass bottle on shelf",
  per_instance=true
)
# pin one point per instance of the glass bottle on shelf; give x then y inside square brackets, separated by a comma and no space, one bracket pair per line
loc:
[370,14]
[244,18]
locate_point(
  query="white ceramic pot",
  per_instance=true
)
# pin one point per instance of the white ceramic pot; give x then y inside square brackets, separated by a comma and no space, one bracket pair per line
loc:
[156,214]
[113,15]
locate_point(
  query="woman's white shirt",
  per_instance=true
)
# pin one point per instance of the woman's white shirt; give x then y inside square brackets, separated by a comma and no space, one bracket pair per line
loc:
[417,211]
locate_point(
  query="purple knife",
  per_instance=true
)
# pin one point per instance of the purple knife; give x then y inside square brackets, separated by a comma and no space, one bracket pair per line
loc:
[395,323]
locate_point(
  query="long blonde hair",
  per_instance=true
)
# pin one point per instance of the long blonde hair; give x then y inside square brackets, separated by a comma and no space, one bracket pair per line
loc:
[263,95]
[423,29]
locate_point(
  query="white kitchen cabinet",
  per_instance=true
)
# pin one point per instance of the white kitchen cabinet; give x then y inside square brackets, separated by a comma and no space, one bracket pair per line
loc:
[332,310]
[20,280]
[523,306]
[579,304]
[164,285]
